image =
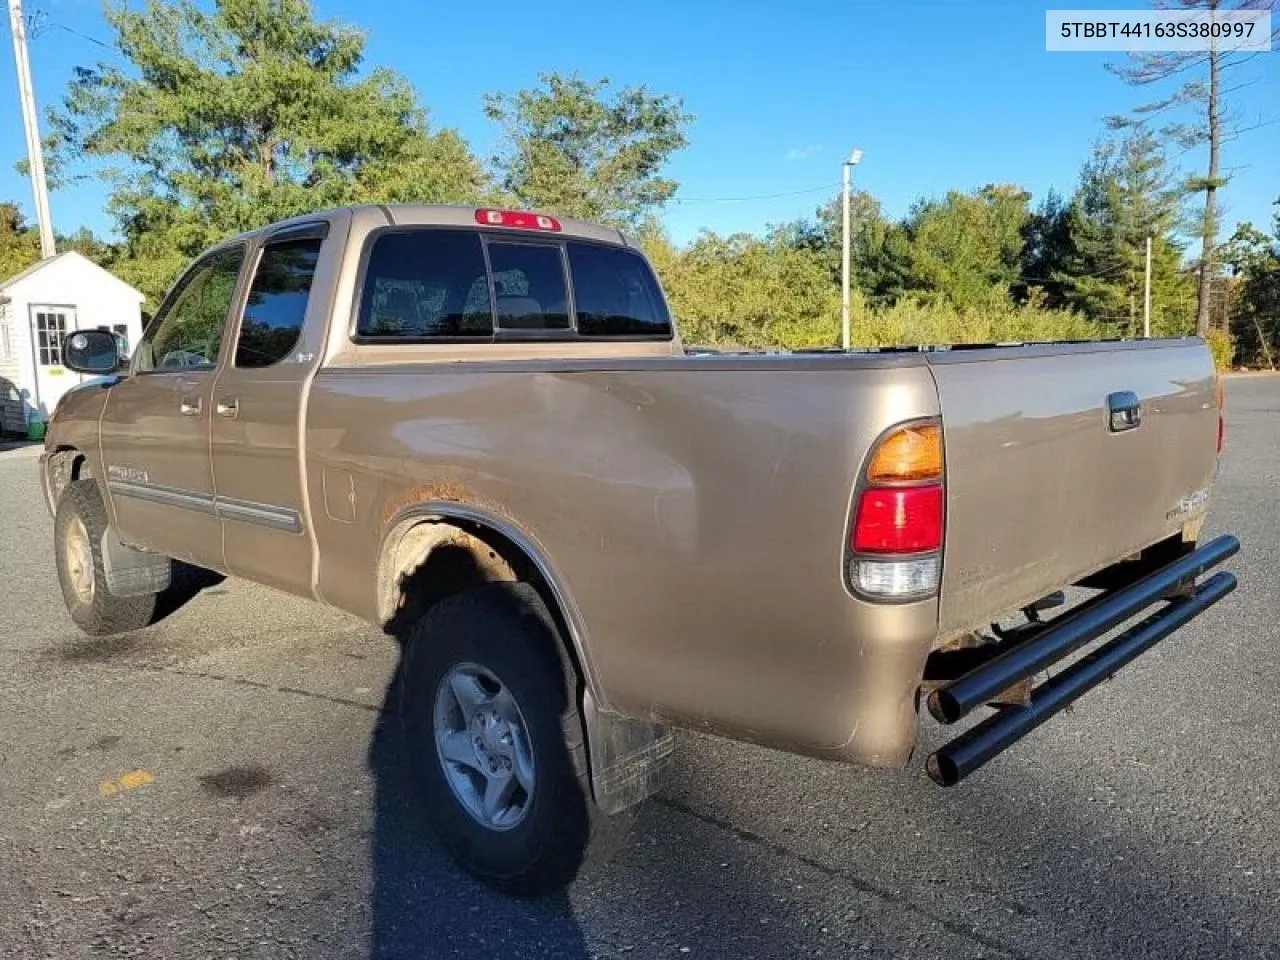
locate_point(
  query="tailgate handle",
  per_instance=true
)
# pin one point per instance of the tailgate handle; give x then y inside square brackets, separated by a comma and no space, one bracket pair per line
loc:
[1124,411]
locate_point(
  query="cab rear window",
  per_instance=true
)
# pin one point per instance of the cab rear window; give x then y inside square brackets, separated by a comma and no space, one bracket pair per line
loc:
[425,284]
[444,284]
[615,293]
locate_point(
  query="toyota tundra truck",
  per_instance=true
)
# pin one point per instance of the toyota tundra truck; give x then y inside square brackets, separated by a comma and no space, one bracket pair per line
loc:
[479,429]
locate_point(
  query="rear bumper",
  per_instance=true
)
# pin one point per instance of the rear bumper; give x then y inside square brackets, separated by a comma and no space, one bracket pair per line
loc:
[1174,586]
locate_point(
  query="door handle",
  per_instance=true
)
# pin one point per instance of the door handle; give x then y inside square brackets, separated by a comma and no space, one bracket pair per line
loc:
[228,407]
[190,406]
[1124,411]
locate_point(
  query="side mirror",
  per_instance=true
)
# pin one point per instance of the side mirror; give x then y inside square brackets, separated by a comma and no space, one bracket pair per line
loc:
[91,351]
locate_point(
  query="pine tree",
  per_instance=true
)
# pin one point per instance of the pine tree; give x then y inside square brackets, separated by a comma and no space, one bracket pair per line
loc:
[1127,193]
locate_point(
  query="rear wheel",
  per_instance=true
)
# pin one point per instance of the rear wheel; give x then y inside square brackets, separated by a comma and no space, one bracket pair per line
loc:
[80,524]
[490,707]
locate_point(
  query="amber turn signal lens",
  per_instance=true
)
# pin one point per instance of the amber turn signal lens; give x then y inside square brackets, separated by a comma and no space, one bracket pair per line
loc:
[908,454]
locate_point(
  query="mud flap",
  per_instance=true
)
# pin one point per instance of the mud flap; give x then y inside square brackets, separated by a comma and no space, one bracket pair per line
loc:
[133,573]
[629,758]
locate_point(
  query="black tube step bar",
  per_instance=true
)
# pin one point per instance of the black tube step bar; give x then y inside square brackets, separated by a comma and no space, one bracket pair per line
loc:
[976,746]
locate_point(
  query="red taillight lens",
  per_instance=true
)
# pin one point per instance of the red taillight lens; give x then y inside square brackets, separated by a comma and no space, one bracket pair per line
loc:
[899,520]
[517,218]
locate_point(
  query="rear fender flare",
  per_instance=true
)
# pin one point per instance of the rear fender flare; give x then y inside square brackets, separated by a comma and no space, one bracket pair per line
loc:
[450,511]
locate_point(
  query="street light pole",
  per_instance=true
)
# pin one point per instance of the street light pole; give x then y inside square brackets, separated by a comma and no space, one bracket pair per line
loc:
[35,155]
[844,262]
[1146,296]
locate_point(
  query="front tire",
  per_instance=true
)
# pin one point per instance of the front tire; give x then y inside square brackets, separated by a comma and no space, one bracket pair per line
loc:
[79,526]
[490,707]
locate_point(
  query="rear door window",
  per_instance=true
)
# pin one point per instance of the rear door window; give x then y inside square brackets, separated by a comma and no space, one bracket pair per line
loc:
[529,286]
[615,293]
[277,303]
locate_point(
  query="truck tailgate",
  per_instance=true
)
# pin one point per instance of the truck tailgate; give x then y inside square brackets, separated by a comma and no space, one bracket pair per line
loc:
[1040,491]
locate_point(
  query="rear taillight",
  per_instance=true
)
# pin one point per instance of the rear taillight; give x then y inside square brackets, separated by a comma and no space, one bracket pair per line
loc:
[906,520]
[899,519]
[520,219]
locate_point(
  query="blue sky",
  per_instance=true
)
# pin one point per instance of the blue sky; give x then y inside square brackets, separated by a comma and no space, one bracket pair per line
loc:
[939,96]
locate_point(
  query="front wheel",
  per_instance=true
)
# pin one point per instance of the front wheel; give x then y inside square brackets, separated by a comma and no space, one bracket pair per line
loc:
[491,712]
[79,526]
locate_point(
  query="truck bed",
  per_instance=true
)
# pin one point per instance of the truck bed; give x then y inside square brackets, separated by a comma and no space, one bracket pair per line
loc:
[697,506]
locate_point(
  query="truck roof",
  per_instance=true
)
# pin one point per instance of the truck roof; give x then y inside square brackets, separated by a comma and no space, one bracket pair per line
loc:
[445,215]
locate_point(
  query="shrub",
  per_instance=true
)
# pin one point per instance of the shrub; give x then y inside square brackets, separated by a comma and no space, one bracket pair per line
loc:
[907,323]
[1222,347]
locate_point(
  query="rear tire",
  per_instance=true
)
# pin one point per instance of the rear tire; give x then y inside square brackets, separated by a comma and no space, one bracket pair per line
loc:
[497,648]
[78,528]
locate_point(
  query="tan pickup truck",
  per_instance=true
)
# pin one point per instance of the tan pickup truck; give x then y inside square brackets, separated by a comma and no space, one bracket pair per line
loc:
[479,429]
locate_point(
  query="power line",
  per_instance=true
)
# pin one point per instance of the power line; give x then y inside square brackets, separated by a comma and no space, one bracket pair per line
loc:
[1080,276]
[82,36]
[38,22]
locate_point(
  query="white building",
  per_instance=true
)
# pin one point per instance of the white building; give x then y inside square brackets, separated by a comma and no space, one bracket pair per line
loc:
[38,308]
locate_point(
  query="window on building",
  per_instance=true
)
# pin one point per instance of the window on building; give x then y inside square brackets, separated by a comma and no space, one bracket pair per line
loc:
[6,337]
[51,327]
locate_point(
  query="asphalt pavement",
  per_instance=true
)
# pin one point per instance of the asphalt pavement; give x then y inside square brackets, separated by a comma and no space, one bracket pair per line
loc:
[220,785]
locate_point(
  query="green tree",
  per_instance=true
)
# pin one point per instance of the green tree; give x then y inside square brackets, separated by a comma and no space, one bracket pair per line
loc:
[85,242]
[1254,260]
[226,118]
[1127,193]
[1201,78]
[966,250]
[1046,250]
[578,148]
[748,291]
[19,243]
[879,248]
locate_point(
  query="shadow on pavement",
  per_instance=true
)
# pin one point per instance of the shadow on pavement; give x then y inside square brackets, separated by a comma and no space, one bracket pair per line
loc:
[185,585]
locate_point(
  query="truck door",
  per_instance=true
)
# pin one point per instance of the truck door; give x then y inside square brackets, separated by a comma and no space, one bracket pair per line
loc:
[258,411]
[155,425]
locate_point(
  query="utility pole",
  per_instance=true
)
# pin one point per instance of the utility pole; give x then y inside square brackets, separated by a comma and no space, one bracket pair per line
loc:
[1146,296]
[35,153]
[844,263]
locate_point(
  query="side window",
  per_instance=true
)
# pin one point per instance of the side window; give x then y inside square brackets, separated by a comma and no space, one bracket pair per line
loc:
[528,282]
[187,331]
[615,293]
[423,284]
[277,302]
